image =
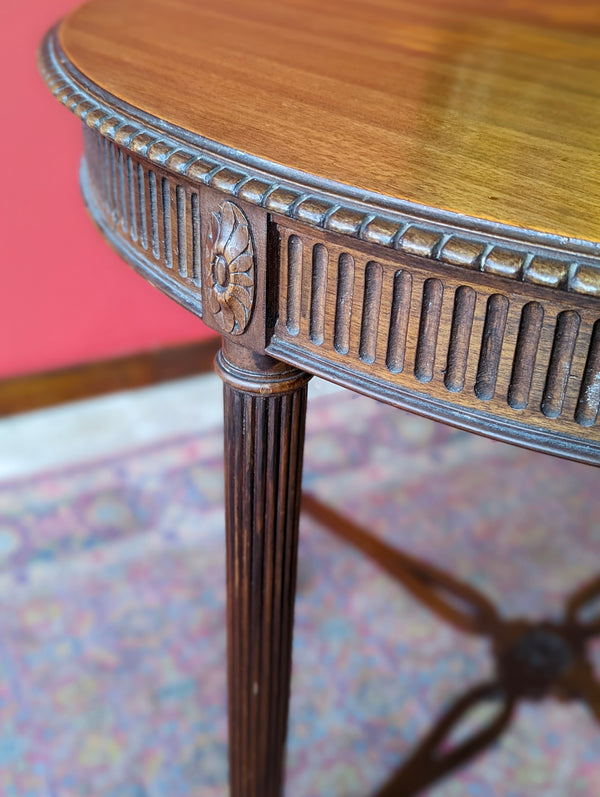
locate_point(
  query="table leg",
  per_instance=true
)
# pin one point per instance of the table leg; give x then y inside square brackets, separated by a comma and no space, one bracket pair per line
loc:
[265,408]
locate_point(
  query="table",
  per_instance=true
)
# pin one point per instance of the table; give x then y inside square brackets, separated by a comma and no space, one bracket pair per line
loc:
[400,197]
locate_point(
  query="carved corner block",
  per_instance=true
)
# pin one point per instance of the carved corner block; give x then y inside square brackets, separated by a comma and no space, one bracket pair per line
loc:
[234,243]
[230,268]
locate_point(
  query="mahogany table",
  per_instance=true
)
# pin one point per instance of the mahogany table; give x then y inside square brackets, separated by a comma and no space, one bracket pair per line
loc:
[401,197]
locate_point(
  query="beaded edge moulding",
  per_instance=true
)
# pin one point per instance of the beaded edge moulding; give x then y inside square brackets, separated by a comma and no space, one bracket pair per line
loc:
[549,261]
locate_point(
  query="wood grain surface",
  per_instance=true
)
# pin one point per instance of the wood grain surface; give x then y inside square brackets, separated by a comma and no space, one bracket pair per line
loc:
[488,108]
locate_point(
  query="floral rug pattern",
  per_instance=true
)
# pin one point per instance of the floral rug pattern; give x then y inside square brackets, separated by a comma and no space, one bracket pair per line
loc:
[112,606]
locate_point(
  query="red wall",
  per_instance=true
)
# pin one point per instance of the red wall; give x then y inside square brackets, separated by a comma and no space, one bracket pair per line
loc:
[65,297]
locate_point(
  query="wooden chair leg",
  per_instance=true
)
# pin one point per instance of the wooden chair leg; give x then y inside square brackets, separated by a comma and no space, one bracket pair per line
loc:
[265,409]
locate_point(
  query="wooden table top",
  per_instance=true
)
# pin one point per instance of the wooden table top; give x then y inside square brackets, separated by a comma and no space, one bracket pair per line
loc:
[489,109]
[399,195]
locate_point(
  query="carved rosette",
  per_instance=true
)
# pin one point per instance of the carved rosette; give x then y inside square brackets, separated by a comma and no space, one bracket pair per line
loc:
[230,276]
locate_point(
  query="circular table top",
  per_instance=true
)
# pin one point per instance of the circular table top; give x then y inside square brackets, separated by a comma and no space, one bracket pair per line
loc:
[486,108]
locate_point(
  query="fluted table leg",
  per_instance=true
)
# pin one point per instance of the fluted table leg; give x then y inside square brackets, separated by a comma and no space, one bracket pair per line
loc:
[265,408]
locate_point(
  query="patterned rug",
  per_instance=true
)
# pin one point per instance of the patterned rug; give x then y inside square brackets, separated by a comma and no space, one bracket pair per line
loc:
[112,604]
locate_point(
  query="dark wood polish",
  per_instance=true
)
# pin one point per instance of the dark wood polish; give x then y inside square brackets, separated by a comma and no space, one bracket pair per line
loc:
[343,307]
[152,206]
[399,317]
[294,276]
[460,338]
[165,208]
[318,293]
[588,405]
[122,194]
[181,248]
[565,338]
[264,436]
[195,224]
[141,190]
[491,347]
[132,208]
[431,309]
[532,318]
[370,312]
